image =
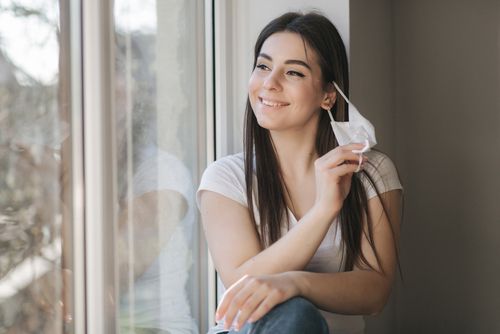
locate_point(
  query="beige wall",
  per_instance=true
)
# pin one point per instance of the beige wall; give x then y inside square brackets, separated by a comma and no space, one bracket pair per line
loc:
[429,71]
[371,70]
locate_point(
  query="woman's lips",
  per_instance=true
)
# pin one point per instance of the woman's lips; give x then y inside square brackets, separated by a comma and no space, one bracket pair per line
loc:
[272,103]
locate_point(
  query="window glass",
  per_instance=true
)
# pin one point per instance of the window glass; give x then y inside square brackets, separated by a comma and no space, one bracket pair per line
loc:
[35,211]
[156,82]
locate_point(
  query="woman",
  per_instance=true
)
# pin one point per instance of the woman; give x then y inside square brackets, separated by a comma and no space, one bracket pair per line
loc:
[303,242]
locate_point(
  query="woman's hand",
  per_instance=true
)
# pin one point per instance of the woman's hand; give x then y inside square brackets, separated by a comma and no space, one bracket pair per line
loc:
[333,177]
[251,297]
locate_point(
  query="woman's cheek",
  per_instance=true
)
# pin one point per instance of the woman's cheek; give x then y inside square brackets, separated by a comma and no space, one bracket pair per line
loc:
[253,91]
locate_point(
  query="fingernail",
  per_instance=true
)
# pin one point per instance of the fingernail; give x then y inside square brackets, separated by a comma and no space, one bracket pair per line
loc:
[235,326]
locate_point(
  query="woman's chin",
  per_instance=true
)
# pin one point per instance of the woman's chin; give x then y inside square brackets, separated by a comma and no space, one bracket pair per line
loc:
[267,124]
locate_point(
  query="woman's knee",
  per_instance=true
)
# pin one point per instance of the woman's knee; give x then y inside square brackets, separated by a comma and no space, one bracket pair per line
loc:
[297,315]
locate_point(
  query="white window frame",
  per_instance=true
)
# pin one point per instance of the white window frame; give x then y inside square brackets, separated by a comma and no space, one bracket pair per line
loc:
[77,168]
[99,173]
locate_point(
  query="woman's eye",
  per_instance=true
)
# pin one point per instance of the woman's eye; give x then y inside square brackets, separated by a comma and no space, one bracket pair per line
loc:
[262,67]
[295,74]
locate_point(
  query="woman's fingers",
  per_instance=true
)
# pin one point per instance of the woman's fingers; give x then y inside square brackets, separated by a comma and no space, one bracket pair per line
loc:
[340,159]
[270,301]
[354,146]
[238,302]
[248,300]
[339,156]
[250,305]
[345,169]
[228,297]
[253,296]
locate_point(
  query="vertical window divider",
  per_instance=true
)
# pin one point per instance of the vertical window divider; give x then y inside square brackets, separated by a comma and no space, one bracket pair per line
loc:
[208,300]
[222,81]
[99,166]
[77,168]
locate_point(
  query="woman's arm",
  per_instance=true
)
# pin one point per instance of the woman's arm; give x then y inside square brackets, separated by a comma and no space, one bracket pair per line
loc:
[234,243]
[363,290]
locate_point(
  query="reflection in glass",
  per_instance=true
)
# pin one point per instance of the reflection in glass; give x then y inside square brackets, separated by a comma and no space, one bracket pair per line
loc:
[35,272]
[156,122]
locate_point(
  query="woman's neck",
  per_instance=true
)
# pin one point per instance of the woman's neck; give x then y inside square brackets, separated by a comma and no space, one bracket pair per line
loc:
[296,151]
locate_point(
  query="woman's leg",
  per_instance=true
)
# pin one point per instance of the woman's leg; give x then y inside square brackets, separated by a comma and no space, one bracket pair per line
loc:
[295,316]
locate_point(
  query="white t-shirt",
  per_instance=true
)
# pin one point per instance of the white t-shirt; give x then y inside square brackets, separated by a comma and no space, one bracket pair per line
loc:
[160,299]
[226,176]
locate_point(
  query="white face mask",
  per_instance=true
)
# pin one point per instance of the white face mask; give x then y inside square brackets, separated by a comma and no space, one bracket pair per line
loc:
[357,130]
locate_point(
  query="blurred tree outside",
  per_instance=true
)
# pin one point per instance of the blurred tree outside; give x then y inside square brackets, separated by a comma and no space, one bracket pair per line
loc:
[34,128]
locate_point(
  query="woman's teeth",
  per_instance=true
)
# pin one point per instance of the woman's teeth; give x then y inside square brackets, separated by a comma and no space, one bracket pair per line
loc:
[272,103]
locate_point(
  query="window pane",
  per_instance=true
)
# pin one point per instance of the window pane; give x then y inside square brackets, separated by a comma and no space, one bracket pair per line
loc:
[35,196]
[157,145]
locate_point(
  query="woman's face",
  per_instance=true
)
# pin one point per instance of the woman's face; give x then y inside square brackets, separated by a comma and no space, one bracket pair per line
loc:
[285,88]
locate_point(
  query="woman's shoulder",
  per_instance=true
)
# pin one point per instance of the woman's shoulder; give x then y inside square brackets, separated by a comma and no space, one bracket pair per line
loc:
[230,165]
[225,176]
[231,161]
[379,159]
[382,173]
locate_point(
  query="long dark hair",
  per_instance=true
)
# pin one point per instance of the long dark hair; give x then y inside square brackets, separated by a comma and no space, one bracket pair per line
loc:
[260,155]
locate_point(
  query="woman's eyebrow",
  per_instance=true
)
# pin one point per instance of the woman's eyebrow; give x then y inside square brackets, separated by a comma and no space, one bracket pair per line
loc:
[289,61]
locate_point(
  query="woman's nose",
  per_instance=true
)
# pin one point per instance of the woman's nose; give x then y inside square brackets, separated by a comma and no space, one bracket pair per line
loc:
[272,81]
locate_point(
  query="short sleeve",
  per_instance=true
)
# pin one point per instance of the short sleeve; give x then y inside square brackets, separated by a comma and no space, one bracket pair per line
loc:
[226,177]
[162,171]
[382,172]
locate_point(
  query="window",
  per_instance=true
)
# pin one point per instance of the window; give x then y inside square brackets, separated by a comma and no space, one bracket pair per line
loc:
[36,193]
[103,119]
[157,114]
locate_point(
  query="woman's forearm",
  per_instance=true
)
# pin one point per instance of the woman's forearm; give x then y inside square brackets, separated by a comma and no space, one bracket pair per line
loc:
[354,292]
[292,251]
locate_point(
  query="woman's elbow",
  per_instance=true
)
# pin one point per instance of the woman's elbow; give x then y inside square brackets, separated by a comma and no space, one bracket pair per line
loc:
[379,301]
[376,308]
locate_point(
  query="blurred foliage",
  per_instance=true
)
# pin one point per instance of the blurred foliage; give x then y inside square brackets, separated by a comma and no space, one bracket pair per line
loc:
[31,134]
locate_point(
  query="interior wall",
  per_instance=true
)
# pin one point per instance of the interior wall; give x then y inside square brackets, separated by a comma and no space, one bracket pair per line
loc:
[371,70]
[445,118]
[447,137]
[372,90]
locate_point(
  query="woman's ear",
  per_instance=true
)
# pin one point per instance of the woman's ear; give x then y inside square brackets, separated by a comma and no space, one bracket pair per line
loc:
[329,98]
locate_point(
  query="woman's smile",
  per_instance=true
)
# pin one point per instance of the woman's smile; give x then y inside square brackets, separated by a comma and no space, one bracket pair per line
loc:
[273,103]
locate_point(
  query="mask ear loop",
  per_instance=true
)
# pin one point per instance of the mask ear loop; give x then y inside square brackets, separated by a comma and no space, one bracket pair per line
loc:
[367,143]
[341,92]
